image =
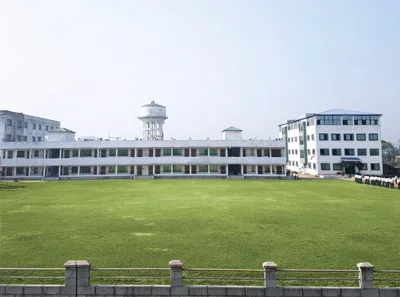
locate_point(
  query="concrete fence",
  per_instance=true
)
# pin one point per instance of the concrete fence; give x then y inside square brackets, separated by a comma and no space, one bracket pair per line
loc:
[78,275]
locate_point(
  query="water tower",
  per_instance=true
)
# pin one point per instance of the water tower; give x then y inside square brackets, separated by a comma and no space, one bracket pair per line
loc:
[153,116]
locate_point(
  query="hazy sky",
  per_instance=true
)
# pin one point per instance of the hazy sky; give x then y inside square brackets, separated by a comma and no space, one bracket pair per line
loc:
[251,64]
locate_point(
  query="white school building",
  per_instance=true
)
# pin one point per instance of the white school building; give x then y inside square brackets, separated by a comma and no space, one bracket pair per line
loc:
[61,156]
[334,141]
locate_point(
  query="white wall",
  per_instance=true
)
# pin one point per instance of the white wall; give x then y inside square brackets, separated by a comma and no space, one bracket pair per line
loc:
[232,135]
[60,136]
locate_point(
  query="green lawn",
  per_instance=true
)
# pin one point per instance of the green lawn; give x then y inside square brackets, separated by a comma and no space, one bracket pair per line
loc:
[204,223]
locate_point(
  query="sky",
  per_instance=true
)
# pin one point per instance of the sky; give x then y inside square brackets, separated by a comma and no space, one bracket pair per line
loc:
[251,64]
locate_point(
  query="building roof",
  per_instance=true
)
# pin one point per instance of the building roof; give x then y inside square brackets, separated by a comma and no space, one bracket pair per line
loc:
[345,112]
[231,128]
[335,111]
[153,104]
[58,130]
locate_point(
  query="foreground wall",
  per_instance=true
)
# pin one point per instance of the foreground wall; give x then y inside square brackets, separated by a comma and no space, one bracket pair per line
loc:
[77,283]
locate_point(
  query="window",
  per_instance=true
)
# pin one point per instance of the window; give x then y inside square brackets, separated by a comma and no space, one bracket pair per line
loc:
[25,138]
[349,152]
[314,166]
[301,140]
[19,137]
[288,139]
[266,152]
[361,137]
[366,120]
[122,153]
[335,137]
[309,151]
[20,170]
[213,152]
[166,168]
[112,152]
[373,137]
[312,136]
[34,126]
[277,153]
[111,169]
[39,138]
[86,170]
[214,168]
[308,137]
[302,155]
[325,166]
[33,138]
[323,136]
[74,170]
[347,120]
[203,168]
[86,153]
[374,152]
[337,166]
[361,152]
[35,170]
[364,166]
[122,169]
[295,139]
[47,128]
[313,151]
[26,125]
[20,154]
[375,166]
[36,154]
[19,124]
[9,154]
[177,152]
[9,122]
[51,128]
[336,152]
[177,168]
[324,152]
[75,153]
[166,152]
[348,137]
[328,120]
[203,152]
[296,152]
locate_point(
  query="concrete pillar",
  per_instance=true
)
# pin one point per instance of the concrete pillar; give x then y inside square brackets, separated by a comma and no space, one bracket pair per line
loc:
[176,273]
[79,155]
[241,169]
[172,169]
[44,171]
[190,168]
[208,153]
[270,269]
[79,169]
[366,275]
[208,168]
[256,169]
[77,274]
[98,169]
[59,171]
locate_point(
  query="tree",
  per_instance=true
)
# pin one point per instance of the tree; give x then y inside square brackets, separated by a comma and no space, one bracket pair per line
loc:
[390,152]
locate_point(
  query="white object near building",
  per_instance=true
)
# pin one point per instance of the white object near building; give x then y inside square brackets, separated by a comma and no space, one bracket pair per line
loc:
[153,116]
[334,141]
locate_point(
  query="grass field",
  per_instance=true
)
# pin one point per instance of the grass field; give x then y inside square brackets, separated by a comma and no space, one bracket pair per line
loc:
[224,224]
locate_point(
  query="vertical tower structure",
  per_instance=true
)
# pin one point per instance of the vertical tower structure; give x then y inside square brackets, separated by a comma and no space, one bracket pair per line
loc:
[153,116]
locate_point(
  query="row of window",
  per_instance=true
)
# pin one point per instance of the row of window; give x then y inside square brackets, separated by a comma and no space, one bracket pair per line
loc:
[348,120]
[104,153]
[339,166]
[338,152]
[24,125]
[20,138]
[349,137]
[350,152]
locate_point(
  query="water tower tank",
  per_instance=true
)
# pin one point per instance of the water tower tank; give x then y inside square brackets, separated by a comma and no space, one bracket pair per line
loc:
[153,116]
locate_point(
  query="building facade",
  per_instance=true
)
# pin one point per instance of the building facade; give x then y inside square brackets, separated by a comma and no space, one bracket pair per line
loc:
[19,127]
[333,142]
[63,158]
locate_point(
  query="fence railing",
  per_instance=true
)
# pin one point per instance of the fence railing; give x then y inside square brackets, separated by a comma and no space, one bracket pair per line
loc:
[81,274]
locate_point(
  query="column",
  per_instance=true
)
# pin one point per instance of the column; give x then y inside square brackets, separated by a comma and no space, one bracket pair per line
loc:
[270,269]
[98,154]
[172,169]
[29,171]
[135,156]
[226,152]
[190,168]
[61,154]
[79,155]
[59,171]
[176,273]
[366,273]
[154,167]
[79,169]
[208,166]
[135,167]
[44,171]
[241,170]
[256,169]
[241,152]
[208,153]
[77,275]
[98,169]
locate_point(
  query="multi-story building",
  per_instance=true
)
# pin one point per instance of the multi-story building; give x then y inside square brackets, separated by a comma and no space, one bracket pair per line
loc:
[19,127]
[333,142]
[62,157]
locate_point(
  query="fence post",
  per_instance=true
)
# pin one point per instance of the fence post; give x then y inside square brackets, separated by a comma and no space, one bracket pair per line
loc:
[77,273]
[366,275]
[270,269]
[176,273]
